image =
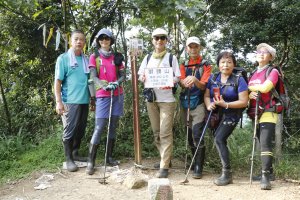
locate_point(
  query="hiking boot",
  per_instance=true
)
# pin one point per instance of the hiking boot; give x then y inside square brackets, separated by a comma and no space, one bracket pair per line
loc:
[225,178]
[258,177]
[199,161]
[90,168]
[76,146]
[265,181]
[110,161]
[157,165]
[163,173]
[68,146]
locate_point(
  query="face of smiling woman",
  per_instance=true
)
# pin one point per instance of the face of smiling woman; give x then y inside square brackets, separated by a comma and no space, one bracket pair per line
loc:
[263,56]
[159,42]
[226,65]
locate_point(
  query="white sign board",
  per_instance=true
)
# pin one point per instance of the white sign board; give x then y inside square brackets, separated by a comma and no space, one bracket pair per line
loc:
[159,77]
[136,46]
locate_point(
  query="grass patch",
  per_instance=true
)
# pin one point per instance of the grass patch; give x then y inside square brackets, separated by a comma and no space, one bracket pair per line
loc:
[19,164]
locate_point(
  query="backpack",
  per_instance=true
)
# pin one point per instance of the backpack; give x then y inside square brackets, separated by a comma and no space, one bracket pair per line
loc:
[279,93]
[118,59]
[187,100]
[236,74]
[240,71]
[197,65]
[174,89]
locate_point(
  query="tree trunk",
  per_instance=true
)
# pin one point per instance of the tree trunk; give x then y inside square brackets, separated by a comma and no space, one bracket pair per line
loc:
[5,107]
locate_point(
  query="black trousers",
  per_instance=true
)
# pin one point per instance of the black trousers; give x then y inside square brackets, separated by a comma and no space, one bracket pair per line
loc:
[221,135]
[265,135]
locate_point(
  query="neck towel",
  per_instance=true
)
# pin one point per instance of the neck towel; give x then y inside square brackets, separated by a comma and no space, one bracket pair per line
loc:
[159,55]
[73,61]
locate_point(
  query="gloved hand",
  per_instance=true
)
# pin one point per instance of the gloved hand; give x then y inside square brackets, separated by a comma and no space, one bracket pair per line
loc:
[112,86]
[101,84]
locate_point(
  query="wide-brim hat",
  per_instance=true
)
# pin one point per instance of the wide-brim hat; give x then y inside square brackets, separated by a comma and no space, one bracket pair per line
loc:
[270,49]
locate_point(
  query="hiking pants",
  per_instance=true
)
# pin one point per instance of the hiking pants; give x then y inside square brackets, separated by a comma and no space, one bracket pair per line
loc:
[74,121]
[196,123]
[161,116]
[100,124]
[221,135]
[265,135]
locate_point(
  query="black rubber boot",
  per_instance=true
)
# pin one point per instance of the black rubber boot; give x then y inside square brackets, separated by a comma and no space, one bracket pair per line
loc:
[157,165]
[225,178]
[90,169]
[265,180]
[199,161]
[110,161]
[163,173]
[258,177]
[76,146]
[68,146]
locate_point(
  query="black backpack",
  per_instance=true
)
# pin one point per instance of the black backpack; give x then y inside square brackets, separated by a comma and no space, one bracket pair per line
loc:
[236,74]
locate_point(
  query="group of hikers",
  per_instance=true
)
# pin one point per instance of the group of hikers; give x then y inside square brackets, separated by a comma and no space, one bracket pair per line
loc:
[97,81]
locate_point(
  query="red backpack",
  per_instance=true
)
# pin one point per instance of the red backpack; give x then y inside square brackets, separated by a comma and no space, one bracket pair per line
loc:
[279,93]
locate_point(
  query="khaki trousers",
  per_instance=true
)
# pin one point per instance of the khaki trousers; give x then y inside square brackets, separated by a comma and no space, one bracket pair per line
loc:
[161,116]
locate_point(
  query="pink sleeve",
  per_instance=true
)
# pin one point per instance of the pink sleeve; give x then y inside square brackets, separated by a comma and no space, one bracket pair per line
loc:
[92,62]
[273,76]
[122,66]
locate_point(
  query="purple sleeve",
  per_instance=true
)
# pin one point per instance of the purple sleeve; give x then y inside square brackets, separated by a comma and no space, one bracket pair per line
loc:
[242,85]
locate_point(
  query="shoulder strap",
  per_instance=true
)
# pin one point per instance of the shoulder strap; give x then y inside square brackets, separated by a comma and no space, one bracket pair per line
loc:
[214,77]
[98,64]
[148,57]
[170,59]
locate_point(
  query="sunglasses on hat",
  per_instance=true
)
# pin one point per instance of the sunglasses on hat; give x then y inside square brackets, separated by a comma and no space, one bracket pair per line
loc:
[159,38]
[104,37]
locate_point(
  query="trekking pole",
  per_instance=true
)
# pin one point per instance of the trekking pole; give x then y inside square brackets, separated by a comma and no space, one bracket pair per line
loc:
[254,136]
[198,145]
[103,180]
[187,130]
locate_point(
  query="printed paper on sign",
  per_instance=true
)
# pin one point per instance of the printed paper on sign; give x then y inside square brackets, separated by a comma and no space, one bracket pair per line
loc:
[159,77]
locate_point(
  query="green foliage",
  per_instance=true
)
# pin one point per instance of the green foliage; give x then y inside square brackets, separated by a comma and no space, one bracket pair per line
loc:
[27,70]
[288,167]
[19,158]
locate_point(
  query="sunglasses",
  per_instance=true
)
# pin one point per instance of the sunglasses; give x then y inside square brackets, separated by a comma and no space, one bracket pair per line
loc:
[104,37]
[159,38]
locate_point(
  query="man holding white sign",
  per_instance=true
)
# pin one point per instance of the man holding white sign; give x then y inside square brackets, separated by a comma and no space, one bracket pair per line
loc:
[159,71]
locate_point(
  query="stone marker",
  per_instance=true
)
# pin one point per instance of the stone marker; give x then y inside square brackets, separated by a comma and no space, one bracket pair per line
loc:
[160,189]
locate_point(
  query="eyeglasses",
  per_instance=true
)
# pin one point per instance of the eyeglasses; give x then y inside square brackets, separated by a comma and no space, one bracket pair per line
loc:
[262,52]
[159,38]
[104,37]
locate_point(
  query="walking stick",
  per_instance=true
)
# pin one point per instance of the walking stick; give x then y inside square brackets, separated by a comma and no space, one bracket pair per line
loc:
[198,145]
[187,130]
[103,180]
[254,136]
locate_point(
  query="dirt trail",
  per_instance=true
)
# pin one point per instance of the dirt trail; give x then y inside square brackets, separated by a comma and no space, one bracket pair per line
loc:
[79,186]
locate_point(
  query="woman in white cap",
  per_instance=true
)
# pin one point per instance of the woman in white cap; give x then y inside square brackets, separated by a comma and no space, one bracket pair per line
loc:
[261,83]
[107,73]
[161,110]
